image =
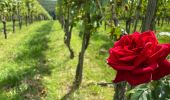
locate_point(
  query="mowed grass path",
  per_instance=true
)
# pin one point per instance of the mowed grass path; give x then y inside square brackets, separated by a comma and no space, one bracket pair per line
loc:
[35,65]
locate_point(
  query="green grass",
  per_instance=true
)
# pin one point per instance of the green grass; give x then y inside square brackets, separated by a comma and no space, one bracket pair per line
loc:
[35,64]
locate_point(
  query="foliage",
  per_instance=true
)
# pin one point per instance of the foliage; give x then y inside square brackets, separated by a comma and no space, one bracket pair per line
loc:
[8,7]
[158,90]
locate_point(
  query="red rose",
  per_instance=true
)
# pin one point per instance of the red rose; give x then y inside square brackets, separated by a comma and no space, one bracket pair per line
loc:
[138,58]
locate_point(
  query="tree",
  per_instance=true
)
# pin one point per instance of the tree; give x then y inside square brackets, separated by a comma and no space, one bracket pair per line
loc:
[89,12]
[20,8]
[4,12]
[138,9]
[13,8]
[66,16]
[149,21]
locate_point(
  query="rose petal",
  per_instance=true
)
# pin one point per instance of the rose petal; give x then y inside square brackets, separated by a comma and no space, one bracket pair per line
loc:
[148,33]
[149,36]
[120,52]
[162,52]
[123,67]
[143,55]
[146,69]
[136,33]
[123,41]
[162,70]
[127,58]
[132,79]
[120,76]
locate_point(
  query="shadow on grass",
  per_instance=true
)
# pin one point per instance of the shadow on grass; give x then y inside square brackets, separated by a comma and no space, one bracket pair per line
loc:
[32,55]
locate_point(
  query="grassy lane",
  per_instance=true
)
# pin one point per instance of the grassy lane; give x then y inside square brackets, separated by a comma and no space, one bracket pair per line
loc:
[21,56]
[35,65]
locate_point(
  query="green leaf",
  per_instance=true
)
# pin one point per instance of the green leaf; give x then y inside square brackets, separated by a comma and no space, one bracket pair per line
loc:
[141,92]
